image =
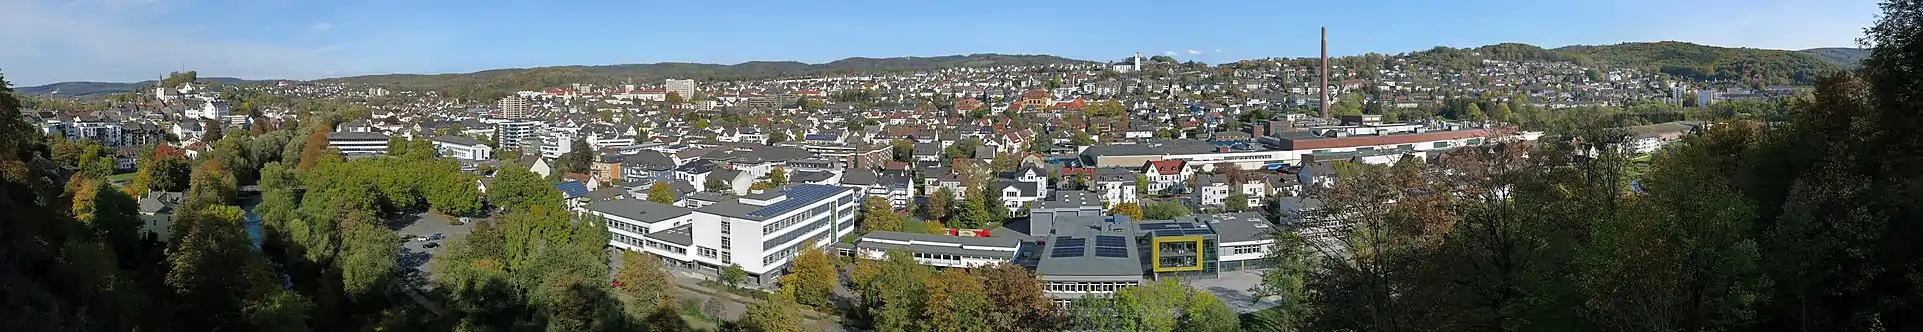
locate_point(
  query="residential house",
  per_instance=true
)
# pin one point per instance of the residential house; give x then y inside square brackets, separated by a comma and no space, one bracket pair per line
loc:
[1167,176]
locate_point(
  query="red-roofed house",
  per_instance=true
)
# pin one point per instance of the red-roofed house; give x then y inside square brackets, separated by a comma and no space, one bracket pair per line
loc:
[1164,176]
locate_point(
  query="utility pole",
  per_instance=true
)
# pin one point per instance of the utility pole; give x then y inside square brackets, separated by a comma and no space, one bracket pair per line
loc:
[1325,74]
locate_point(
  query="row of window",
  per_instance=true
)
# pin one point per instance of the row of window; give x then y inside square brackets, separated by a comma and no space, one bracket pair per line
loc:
[626,226]
[1248,249]
[707,252]
[770,228]
[629,240]
[796,233]
[1086,287]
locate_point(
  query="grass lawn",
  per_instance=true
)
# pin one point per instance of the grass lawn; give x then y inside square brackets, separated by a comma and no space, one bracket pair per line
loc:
[698,324]
[914,227]
[121,178]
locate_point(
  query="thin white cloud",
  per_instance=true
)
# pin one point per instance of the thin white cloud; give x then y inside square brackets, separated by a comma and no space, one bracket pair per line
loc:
[1194,52]
[1169,53]
[318,27]
[1218,50]
[81,41]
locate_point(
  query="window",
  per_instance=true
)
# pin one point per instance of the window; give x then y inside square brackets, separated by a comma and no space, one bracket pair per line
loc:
[1320,151]
[1406,147]
[1441,145]
[707,252]
[1474,141]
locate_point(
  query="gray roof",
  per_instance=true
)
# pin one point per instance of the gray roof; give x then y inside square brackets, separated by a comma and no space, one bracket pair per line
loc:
[798,195]
[1238,227]
[639,210]
[159,201]
[356,135]
[1087,264]
[1027,189]
[459,140]
[680,235]
[1070,199]
[927,149]
[859,177]
[810,176]
[649,159]
[930,243]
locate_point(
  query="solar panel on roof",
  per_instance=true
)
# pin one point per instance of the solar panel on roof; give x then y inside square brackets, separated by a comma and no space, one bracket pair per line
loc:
[798,195]
[1111,252]
[1110,241]
[1066,252]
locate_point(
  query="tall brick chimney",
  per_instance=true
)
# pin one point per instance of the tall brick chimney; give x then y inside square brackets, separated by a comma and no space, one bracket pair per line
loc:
[1325,74]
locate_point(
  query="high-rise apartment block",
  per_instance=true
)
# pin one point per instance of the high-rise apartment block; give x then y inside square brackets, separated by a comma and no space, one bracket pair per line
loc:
[515,107]
[685,88]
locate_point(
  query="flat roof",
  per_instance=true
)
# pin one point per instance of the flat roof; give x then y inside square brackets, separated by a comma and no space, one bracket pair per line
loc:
[1070,199]
[941,244]
[639,210]
[944,239]
[798,196]
[1088,246]
[679,235]
[1238,227]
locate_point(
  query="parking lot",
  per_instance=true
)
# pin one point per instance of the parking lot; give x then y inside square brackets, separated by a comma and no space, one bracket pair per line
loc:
[415,253]
[1233,288]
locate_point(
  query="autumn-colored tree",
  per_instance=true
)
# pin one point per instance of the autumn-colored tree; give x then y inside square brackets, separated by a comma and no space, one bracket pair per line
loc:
[1130,209]
[937,206]
[812,278]
[643,284]
[779,313]
[314,149]
[878,215]
[659,193]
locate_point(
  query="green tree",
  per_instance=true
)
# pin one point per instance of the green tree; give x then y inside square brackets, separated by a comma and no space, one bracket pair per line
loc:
[643,285]
[517,188]
[777,314]
[973,211]
[878,215]
[733,276]
[937,206]
[1165,210]
[778,176]
[1204,312]
[1237,202]
[1474,113]
[659,193]
[812,278]
[904,150]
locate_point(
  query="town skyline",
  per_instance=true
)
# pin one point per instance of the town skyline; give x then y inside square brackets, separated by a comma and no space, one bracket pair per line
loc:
[128,41]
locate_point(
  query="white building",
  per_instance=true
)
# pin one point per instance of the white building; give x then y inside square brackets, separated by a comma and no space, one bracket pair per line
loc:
[641,225]
[938,250]
[210,109]
[515,107]
[512,133]
[762,232]
[685,88]
[352,143]
[463,148]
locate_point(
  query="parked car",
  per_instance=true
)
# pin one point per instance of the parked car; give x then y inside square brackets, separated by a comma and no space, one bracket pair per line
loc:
[431,245]
[436,236]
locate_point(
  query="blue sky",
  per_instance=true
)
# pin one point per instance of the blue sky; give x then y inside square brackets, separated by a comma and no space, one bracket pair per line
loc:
[46,41]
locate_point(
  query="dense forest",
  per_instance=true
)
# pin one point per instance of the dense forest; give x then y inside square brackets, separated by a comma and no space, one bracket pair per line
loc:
[1804,224]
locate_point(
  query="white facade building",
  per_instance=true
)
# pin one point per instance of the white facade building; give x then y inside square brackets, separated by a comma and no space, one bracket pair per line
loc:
[352,143]
[763,232]
[685,88]
[463,148]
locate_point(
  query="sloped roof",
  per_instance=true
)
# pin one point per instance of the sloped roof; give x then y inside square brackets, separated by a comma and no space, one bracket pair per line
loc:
[571,189]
